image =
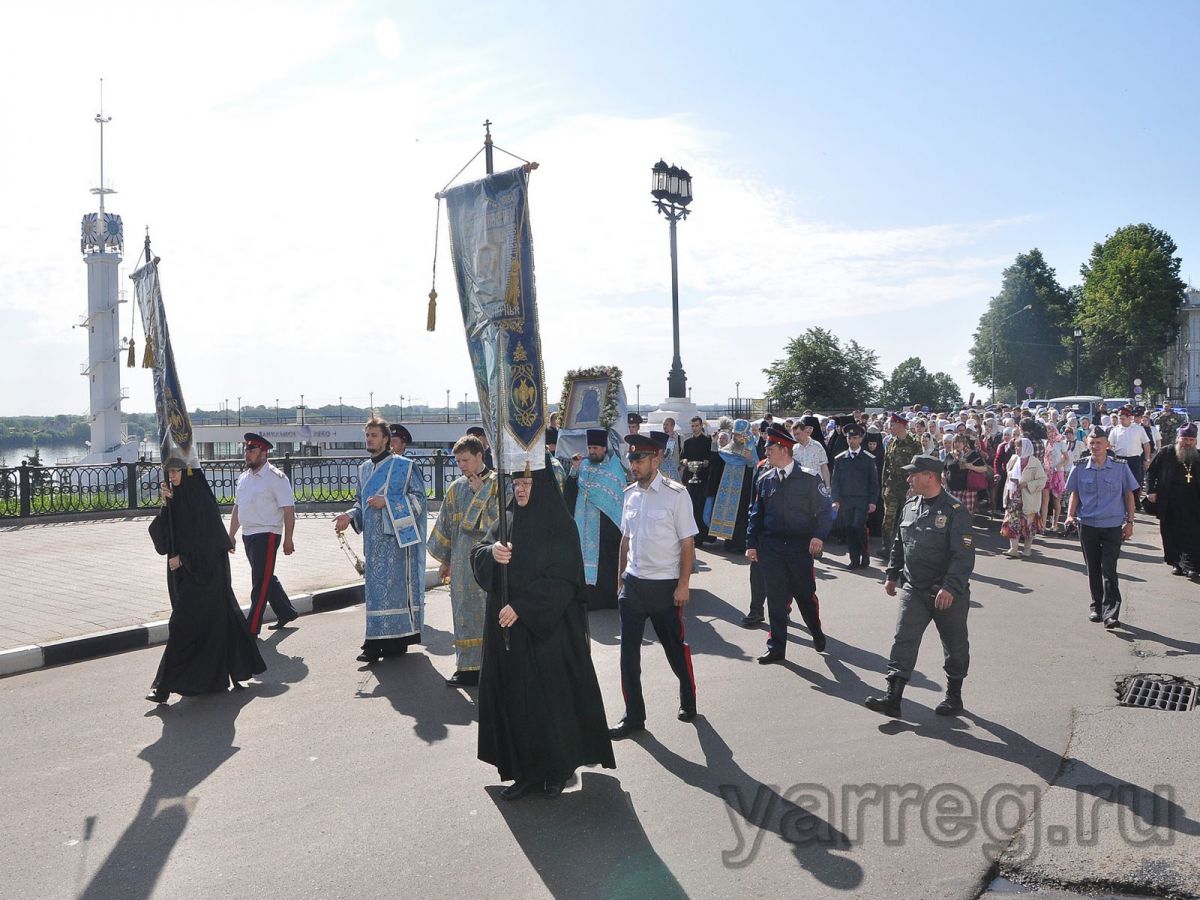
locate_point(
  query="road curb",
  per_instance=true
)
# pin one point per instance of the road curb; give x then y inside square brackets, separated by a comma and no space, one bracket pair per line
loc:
[135,637]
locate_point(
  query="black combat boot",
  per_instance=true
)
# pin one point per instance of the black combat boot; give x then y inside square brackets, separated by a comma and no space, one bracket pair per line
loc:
[952,705]
[889,705]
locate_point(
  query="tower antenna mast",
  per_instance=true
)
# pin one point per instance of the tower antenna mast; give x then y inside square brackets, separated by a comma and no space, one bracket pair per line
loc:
[102,121]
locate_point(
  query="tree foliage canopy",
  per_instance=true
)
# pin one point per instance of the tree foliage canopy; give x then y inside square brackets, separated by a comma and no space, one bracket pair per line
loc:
[1031,346]
[819,372]
[1128,307]
[910,382]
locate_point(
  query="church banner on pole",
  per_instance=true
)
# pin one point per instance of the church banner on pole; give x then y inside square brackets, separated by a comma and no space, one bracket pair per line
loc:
[174,423]
[493,266]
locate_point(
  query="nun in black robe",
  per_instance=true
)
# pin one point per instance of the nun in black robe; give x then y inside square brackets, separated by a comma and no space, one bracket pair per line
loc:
[541,715]
[208,643]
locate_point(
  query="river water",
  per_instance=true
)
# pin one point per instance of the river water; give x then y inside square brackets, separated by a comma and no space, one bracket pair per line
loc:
[50,455]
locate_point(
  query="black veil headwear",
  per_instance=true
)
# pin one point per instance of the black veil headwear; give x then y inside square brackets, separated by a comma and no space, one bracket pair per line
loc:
[195,519]
[543,534]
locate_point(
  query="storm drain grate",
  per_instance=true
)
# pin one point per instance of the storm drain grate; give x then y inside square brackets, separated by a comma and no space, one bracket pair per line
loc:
[1156,693]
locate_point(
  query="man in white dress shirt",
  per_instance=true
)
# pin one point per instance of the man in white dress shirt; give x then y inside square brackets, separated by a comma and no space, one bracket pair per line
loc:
[1129,442]
[657,550]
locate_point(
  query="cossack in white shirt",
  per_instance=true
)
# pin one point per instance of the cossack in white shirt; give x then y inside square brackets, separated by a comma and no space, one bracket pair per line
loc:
[655,520]
[261,499]
[1127,440]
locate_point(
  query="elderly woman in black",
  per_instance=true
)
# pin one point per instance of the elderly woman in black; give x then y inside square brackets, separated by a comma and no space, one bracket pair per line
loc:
[208,644]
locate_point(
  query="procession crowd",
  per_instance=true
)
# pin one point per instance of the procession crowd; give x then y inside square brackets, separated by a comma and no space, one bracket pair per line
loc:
[609,529]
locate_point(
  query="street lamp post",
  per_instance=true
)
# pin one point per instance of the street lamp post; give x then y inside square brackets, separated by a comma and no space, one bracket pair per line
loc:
[447,404]
[1078,335]
[671,188]
[239,412]
[226,410]
[639,399]
[401,407]
[1025,308]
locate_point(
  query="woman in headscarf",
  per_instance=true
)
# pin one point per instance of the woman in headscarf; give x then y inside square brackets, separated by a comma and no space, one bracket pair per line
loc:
[208,643]
[1023,499]
[959,464]
[1055,463]
[541,715]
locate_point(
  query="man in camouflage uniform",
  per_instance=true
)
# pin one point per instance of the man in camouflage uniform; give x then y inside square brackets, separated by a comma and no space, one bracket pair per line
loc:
[900,450]
[1168,427]
[932,557]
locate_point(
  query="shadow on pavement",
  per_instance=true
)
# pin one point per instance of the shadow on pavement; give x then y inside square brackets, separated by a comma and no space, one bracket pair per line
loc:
[1131,633]
[1065,772]
[282,670]
[588,843]
[751,803]
[418,691]
[197,739]
[436,641]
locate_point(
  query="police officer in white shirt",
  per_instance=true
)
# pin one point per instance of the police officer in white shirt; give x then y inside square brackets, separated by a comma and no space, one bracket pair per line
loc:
[264,508]
[1129,442]
[657,550]
[809,453]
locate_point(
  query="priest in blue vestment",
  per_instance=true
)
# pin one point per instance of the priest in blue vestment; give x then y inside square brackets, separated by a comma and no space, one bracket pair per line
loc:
[595,494]
[389,512]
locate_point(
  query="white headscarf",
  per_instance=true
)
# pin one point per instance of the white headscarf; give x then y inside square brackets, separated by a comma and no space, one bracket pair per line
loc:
[1024,452]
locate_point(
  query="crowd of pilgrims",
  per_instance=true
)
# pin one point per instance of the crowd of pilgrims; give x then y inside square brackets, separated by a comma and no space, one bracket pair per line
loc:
[527,645]
[1010,463]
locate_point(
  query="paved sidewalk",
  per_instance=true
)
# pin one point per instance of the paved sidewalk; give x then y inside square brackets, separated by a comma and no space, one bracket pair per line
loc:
[69,579]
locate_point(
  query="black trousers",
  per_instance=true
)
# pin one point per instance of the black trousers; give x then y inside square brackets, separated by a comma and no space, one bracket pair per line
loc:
[1136,465]
[758,590]
[261,550]
[852,517]
[1101,548]
[787,569]
[645,599]
[698,494]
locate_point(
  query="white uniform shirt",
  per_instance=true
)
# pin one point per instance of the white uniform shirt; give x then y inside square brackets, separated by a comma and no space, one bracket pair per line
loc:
[811,457]
[261,498]
[655,520]
[1127,441]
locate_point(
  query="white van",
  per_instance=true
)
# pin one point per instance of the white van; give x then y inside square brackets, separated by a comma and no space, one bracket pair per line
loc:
[1082,405]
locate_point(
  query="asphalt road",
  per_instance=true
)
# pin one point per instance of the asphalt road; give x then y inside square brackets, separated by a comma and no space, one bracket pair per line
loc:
[326,779]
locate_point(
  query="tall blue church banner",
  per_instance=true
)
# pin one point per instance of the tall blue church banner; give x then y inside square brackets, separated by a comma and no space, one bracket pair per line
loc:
[493,267]
[174,423]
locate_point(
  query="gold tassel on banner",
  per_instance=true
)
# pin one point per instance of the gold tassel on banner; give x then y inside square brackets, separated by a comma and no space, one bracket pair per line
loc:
[431,315]
[129,361]
[148,357]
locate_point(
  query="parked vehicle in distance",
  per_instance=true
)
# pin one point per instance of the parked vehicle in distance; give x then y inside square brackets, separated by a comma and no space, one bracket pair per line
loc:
[1034,403]
[1115,403]
[1082,405]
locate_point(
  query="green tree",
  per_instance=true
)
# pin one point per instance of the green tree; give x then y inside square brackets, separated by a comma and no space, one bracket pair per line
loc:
[1128,308]
[910,382]
[1032,345]
[819,372]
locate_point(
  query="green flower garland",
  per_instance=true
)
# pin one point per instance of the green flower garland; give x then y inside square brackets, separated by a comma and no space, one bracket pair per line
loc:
[608,414]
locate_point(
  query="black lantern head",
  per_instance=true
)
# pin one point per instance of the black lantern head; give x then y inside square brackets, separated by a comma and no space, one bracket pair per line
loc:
[685,187]
[658,180]
[673,184]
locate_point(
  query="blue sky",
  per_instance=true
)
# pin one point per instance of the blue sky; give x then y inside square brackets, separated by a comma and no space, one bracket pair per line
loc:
[868,167]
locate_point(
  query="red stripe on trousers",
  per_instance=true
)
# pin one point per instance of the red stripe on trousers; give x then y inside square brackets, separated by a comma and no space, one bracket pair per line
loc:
[687,651]
[260,602]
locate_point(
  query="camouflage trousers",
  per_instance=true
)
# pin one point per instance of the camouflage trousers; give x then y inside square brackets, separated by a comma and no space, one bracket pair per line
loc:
[892,504]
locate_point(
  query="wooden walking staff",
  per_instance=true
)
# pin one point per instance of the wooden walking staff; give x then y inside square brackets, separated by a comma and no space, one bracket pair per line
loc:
[500,417]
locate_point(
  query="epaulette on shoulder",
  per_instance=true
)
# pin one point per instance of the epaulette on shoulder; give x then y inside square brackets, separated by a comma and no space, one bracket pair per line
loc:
[868,454]
[278,472]
[843,453]
[629,486]
[674,485]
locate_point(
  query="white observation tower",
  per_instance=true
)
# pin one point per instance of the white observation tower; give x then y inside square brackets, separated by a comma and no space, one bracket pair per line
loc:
[102,244]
